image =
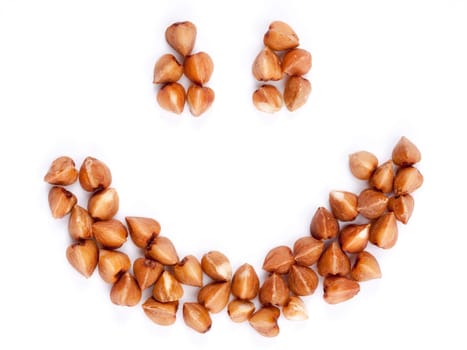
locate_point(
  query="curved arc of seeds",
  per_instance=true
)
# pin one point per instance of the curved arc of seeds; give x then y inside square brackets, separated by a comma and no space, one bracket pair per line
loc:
[290,270]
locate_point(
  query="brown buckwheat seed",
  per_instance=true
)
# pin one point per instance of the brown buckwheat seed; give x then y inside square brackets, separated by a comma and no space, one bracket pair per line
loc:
[62,172]
[181,36]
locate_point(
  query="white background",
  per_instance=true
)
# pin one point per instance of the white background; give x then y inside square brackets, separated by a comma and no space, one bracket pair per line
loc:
[75,79]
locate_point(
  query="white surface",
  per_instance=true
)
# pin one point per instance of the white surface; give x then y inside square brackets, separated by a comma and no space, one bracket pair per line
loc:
[75,79]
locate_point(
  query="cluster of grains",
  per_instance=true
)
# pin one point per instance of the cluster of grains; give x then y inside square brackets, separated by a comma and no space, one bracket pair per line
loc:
[281,58]
[197,68]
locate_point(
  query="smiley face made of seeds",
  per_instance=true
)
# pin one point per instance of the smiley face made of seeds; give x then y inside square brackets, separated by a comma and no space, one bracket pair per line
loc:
[335,251]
